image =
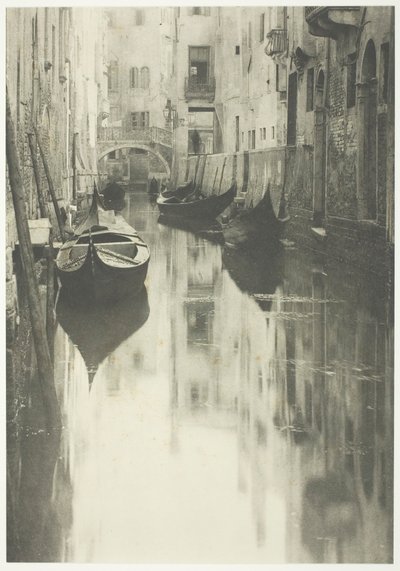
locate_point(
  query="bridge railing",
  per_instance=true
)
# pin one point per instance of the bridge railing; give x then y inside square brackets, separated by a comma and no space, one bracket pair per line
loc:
[143,135]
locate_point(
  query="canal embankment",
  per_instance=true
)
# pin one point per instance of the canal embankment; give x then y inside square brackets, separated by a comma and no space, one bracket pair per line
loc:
[289,173]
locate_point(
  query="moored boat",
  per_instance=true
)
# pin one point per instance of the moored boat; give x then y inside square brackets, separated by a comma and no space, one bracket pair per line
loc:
[255,229]
[209,207]
[113,197]
[182,191]
[104,260]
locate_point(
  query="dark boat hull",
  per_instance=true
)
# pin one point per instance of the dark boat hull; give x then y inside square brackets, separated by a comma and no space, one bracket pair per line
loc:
[102,284]
[255,229]
[210,207]
[102,264]
[181,191]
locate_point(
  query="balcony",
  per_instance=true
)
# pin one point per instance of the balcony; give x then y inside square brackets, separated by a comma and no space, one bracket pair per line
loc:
[331,21]
[277,42]
[196,89]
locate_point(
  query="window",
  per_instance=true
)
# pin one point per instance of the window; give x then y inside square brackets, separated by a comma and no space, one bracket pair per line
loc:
[199,11]
[253,139]
[277,77]
[139,119]
[237,50]
[384,71]
[242,137]
[134,77]
[262,27]
[351,81]
[114,112]
[112,155]
[264,133]
[139,17]
[144,77]
[237,131]
[113,75]
[249,139]
[199,58]
[310,90]
[272,132]
[261,134]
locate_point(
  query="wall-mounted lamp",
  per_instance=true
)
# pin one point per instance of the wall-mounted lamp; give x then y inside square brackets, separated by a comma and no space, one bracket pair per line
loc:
[170,114]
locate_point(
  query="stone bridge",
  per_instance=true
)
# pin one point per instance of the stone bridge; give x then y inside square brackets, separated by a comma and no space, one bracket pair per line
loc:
[152,139]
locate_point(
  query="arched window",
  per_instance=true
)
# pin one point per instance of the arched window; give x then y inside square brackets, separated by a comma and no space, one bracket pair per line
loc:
[144,78]
[134,77]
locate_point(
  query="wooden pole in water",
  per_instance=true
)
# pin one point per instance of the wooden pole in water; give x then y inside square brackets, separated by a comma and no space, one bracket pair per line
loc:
[45,367]
[74,179]
[35,165]
[50,297]
[50,183]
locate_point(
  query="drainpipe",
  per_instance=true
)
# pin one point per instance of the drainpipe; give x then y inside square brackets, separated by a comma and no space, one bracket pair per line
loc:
[390,137]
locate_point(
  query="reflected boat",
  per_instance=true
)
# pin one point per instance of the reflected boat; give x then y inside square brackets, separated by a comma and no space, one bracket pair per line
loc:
[329,513]
[98,330]
[211,230]
[209,207]
[257,274]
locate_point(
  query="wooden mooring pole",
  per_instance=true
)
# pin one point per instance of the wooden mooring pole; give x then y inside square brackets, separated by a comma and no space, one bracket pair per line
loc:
[45,367]
[50,297]
[74,177]
[41,199]
[51,184]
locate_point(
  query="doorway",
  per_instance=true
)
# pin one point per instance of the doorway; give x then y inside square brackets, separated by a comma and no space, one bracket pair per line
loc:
[319,191]
[292,109]
[367,119]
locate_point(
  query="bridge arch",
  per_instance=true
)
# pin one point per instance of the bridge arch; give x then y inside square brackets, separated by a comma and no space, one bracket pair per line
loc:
[116,147]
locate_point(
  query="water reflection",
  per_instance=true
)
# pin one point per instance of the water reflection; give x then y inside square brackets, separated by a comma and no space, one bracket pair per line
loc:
[98,331]
[225,430]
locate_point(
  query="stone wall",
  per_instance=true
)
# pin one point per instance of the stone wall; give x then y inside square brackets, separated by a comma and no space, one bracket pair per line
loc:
[290,170]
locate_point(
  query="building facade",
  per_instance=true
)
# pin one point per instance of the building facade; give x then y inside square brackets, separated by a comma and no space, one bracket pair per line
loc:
[57,84]
[305,102]
[140,71]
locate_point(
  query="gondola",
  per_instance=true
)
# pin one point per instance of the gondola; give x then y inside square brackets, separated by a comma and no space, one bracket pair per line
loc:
[255,229]
[209,207]
[181,191]
[105,260]
[113,197]
[98,330]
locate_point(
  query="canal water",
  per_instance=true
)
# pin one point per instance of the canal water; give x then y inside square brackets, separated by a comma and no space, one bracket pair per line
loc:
[239,411]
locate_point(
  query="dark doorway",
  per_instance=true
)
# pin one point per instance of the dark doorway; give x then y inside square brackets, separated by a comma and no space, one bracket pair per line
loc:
[319,151]
[367,122]
[292,109]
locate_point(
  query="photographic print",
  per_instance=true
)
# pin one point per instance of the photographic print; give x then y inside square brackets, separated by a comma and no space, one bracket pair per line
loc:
[199,284]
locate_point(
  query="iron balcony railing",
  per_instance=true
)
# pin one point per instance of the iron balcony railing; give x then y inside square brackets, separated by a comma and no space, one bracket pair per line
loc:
[277,42]
[310,10]
[197,89]
[143,135]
